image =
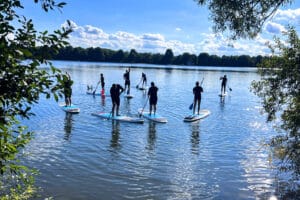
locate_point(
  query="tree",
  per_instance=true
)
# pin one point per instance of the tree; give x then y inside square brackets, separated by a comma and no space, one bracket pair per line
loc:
[279,90]
[244,18]
[21,84]
[168,57]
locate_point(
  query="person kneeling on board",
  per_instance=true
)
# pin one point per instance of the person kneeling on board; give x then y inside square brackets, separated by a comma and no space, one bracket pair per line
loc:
[115,92]
[197,96]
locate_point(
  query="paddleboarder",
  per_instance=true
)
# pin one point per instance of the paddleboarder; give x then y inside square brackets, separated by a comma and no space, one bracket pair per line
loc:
[67,84]
[115,92]
[223,84]
[197,97]
[126,77]
[144,79]
[152,95]
[102,82]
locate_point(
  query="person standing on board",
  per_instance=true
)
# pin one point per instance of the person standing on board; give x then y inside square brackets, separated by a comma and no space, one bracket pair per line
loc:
[197,97]
[152,95]
[223,84]
[115,92]
[101,81]
[127,80]
[102,84]
[67,83]
[144,80]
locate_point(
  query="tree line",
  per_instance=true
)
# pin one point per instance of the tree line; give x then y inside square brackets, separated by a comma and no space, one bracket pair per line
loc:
[98,54]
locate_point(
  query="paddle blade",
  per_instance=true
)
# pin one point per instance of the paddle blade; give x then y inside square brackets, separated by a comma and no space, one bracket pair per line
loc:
[191,106]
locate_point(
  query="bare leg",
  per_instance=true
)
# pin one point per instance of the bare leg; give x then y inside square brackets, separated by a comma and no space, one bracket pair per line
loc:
[194,107]
[113,109]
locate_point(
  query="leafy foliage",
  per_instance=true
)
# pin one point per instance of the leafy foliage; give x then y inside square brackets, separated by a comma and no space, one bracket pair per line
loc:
[279,90]
[21,83]
[244,18]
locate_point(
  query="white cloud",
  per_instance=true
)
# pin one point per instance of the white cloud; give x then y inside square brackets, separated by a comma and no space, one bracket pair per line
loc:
[178,29]
[287,15]
[274,28]
[89,36]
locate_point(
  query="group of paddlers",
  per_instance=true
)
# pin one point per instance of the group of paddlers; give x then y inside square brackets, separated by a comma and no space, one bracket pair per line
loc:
[117,89]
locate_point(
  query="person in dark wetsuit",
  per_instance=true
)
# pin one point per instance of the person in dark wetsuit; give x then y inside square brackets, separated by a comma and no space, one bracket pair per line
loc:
[197,97]
[152,95]
[102,81]
[127,80]
[67,84]
[144,79]
[223,84]
[115,92]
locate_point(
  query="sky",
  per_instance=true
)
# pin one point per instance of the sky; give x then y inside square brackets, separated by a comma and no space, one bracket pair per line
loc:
[154,26]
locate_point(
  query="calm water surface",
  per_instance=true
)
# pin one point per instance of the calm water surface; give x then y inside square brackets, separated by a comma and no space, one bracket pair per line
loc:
[221,157]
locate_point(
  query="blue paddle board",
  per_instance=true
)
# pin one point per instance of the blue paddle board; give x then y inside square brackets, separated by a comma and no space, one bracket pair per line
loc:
[70,109]
[153,117]
[195,117]
[122,118]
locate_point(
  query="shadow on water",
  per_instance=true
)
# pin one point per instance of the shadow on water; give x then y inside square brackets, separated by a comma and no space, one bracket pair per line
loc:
[68,126]
[115,135]
[151,135]
[195,140]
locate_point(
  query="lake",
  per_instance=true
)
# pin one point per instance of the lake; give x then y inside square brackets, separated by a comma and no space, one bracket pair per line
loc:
[81,156]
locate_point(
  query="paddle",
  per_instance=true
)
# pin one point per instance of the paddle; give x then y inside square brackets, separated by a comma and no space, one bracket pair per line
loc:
[191,106]
[95,88]
[144,107]
[137,86]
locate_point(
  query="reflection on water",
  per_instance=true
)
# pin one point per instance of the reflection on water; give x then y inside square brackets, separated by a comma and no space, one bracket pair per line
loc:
[151,135]
[214,158]
[195,140]
[115,135]
[68,126]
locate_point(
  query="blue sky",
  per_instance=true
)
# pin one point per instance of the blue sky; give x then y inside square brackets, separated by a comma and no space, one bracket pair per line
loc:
[154,26]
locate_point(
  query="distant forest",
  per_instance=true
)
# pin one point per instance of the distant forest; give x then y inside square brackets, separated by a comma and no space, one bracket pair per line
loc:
[106,55]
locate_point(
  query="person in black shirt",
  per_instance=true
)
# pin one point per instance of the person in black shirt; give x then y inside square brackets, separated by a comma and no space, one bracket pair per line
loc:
[152,95]
[197,97]
[144,79]
[223,84]
[115,92]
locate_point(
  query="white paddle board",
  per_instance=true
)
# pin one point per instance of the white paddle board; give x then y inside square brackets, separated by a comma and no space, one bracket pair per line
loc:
[69,109]
[122,118]
[223,94]
[195,117]
[153,117]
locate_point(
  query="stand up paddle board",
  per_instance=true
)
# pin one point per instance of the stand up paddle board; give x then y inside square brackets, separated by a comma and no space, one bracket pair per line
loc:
[122,118]
[128,96]
[195,117]
[70,109]
[142,88]
[223,94]
[152,117]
